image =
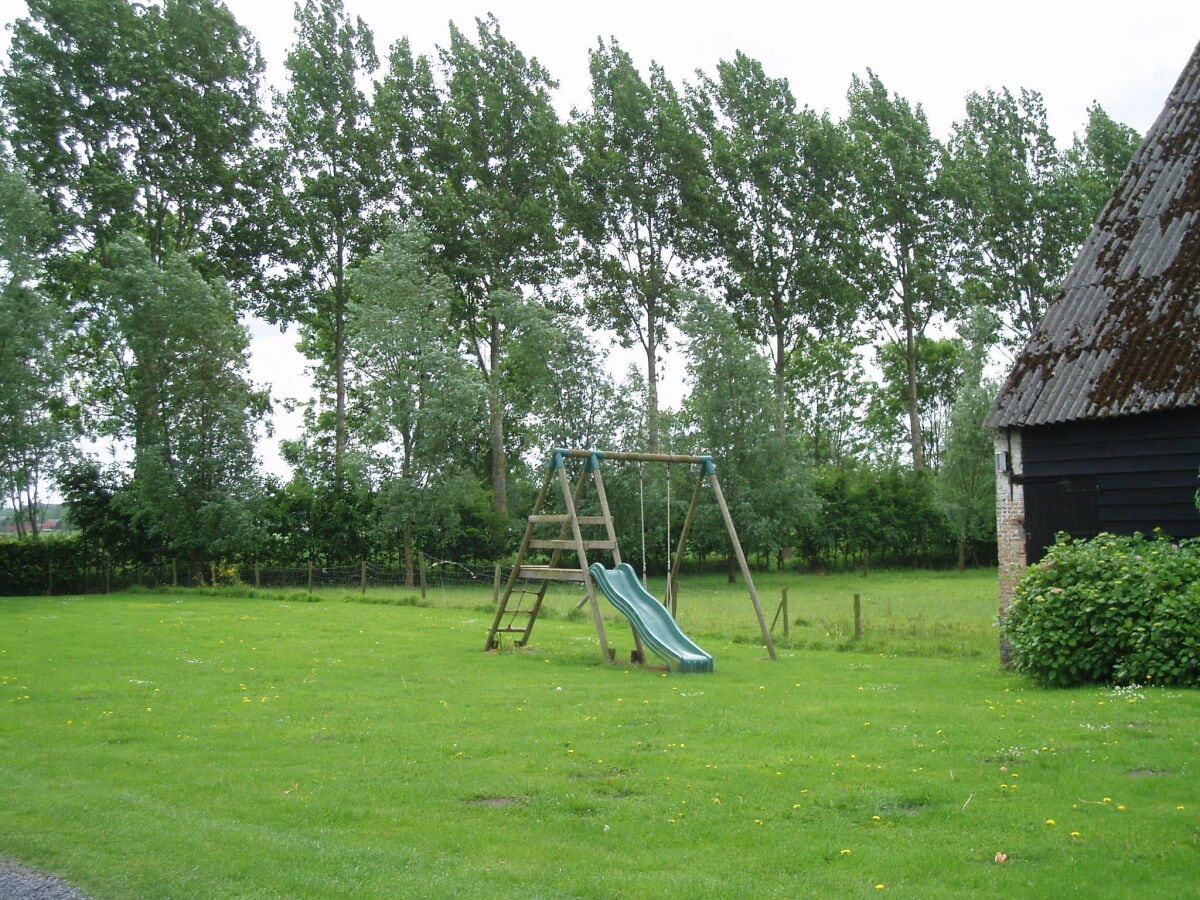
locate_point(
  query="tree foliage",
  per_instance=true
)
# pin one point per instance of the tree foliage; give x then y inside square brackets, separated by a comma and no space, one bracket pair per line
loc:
[781,229]
[904,208]
[1020,206]
[182,366]
[327,206]
[34,428]
[640,188]
[479,151]
[132,117]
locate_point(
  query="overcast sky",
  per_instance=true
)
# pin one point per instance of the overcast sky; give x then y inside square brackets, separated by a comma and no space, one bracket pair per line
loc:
[1126,56]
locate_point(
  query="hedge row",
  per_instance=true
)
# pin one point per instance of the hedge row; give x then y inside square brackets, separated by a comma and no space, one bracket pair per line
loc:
[48,566]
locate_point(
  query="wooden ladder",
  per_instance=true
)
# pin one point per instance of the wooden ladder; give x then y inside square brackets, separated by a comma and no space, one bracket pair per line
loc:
[515,613]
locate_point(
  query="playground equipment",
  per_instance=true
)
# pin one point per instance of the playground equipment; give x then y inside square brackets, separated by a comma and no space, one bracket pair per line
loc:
[653,625]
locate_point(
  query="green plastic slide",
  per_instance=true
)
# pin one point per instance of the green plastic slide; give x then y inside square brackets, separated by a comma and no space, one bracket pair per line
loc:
[650,619]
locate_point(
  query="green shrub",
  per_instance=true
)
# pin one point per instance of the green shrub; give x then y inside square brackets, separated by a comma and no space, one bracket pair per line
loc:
[1112,609]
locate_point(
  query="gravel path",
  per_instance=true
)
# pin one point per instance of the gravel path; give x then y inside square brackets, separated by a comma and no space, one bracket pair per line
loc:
[18,882]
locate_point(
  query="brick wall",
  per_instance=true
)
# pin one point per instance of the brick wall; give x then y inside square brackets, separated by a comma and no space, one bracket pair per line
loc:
[1010,520]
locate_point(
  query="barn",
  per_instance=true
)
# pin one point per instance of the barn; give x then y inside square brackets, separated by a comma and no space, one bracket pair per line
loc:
[1097,426]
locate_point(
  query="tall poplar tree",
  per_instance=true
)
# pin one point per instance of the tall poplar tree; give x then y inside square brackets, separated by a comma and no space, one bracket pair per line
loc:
[1022,211]
[33,431]
[329,203]
[479,150]
[131,117]
[781,229]
[641,190]
[136,124]
[905,210]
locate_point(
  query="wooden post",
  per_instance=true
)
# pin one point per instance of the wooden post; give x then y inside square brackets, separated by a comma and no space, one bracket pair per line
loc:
[781,610]
[588,586]
[107,573]
[496,585]
[257,578]
[857,617]
[363,579]
[174,572]
[421,572]
[741,558]
[310,576]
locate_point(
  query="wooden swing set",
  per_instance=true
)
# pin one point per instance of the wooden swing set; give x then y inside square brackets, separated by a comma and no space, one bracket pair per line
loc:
[520,603]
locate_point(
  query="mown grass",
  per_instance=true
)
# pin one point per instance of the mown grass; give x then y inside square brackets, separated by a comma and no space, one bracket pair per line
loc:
[209,746]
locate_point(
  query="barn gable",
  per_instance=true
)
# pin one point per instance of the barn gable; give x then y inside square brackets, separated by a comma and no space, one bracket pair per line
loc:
[1122,337]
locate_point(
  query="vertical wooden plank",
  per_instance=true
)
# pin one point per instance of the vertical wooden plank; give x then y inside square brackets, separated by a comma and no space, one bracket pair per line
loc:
[589,586]
[611,531]
[741,558]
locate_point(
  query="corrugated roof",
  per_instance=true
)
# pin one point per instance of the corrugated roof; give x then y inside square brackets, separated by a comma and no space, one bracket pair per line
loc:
[1122,336]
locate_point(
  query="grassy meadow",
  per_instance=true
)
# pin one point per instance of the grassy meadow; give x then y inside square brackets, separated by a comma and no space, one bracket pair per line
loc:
[199,745]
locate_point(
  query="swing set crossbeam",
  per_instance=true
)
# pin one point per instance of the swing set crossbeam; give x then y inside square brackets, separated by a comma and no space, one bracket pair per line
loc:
[628,456]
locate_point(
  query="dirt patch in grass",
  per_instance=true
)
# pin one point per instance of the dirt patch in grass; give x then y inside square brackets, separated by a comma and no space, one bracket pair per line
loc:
[496,802]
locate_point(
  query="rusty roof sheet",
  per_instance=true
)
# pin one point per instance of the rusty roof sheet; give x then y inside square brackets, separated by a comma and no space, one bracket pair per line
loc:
[1122,336]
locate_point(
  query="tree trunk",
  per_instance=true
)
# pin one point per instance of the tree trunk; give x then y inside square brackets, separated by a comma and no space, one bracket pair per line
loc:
[339,362]
[780,385]
[652,424]
[496,426]
[914,409]
[409,580]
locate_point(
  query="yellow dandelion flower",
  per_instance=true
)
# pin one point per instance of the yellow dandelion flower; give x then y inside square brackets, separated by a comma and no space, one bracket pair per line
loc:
[845,853]
[1051,822]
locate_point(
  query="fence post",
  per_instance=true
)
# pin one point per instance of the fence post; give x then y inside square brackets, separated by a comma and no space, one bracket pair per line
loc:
[785,613]
[421,570]
[174,572]
[857,617]
[257,581]
[496,586]
[107,574]
[363,580]
[310,576]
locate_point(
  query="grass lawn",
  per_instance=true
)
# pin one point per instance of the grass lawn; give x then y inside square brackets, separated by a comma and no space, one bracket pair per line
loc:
[184,745]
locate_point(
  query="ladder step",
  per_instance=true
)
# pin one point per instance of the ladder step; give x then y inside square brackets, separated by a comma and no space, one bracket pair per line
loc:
[565,544]
[511,630]
[563,518]
[545,573]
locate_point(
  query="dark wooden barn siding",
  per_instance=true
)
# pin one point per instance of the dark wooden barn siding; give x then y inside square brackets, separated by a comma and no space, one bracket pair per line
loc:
[1121,475]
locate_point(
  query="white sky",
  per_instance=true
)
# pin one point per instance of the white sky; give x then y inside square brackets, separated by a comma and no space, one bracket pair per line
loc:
[1124,55]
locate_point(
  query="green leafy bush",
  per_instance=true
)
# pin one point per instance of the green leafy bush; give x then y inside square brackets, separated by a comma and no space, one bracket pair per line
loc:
[1111,609]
